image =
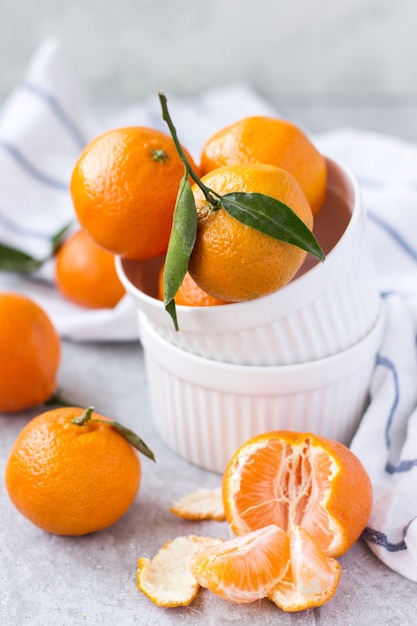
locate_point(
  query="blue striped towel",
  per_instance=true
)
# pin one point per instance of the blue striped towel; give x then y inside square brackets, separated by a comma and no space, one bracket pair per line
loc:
[386,440]
[43,127]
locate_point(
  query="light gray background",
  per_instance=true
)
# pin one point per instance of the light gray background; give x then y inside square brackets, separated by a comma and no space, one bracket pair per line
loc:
[325,63]
[337,51]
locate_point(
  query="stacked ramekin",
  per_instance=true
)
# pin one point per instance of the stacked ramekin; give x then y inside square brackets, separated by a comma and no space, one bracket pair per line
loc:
[298,359]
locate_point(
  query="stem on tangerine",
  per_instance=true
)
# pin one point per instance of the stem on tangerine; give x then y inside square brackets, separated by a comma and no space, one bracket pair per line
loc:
[84,417]
[211,196]
[128,434]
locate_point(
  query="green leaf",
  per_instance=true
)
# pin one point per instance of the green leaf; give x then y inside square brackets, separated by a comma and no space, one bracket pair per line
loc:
[181,243]
[134,439]
[13,260]
[273,218]
[59,237]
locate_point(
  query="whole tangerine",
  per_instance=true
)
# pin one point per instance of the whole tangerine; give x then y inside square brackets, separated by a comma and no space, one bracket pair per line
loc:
[71,479]
[85,273]
[30,352]
[235,262]
[124,187]
[262,139]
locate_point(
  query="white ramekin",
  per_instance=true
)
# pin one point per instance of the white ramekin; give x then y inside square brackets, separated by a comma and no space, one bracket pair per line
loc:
[204,409]
[327,308]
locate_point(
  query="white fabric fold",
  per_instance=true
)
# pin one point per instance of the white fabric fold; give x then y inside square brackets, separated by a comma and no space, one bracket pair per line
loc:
[43,127]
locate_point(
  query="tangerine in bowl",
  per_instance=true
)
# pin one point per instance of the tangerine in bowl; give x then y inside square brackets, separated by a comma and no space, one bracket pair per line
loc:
[326,307]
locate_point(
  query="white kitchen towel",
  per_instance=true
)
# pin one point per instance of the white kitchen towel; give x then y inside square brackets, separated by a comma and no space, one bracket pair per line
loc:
[44,125]
[386,440]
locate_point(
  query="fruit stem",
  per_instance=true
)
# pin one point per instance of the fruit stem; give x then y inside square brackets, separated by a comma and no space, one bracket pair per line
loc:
[211,196]
[128,434]
[85,417]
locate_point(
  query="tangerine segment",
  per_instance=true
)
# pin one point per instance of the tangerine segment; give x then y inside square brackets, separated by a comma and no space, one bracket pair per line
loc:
[298,479]
[166,579]
[312,578]
[246,568]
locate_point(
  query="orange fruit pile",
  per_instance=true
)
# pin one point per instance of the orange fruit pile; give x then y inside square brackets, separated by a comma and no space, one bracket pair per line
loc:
[232,261]
[124,187]
[125,184]
[30,353]
[316,492]
[70,479]
[261,139]
[86,274]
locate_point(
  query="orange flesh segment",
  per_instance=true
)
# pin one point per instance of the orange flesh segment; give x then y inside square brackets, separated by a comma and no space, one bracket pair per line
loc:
[246,568]
[312,578]
[299,477]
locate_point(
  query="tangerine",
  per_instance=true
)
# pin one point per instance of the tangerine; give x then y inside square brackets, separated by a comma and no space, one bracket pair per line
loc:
[262,139]
[124,187]
[86,274]
[298,479]
[189,293]
[30,352]
[235,262]
[71,479]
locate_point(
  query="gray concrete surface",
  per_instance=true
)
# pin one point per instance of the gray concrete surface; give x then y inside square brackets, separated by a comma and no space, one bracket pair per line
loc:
[48,580]
[324,65]
[60,581]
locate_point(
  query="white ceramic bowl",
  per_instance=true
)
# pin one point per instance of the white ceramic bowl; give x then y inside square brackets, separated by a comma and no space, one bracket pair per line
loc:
[204,409]
[327,308]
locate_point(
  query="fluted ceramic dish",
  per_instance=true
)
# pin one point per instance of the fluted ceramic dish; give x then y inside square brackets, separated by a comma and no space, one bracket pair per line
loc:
[204,409]
[327,308]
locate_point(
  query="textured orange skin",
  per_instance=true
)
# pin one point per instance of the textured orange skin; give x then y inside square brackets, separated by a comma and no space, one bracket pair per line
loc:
[261,139]
[189,293]
[68,479]
[123,196]
[350,500]
[234,262]
[86,274]
[30,351]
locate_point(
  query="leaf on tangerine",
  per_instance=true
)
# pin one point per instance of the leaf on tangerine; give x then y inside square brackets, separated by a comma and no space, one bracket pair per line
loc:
[273,218]
[181,243]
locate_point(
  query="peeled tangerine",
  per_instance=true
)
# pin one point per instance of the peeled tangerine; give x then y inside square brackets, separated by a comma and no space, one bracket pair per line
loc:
[295,501]
[313,488]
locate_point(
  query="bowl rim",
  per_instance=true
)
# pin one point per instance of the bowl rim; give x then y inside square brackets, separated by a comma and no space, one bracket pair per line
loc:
[260,379]
[266,309]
